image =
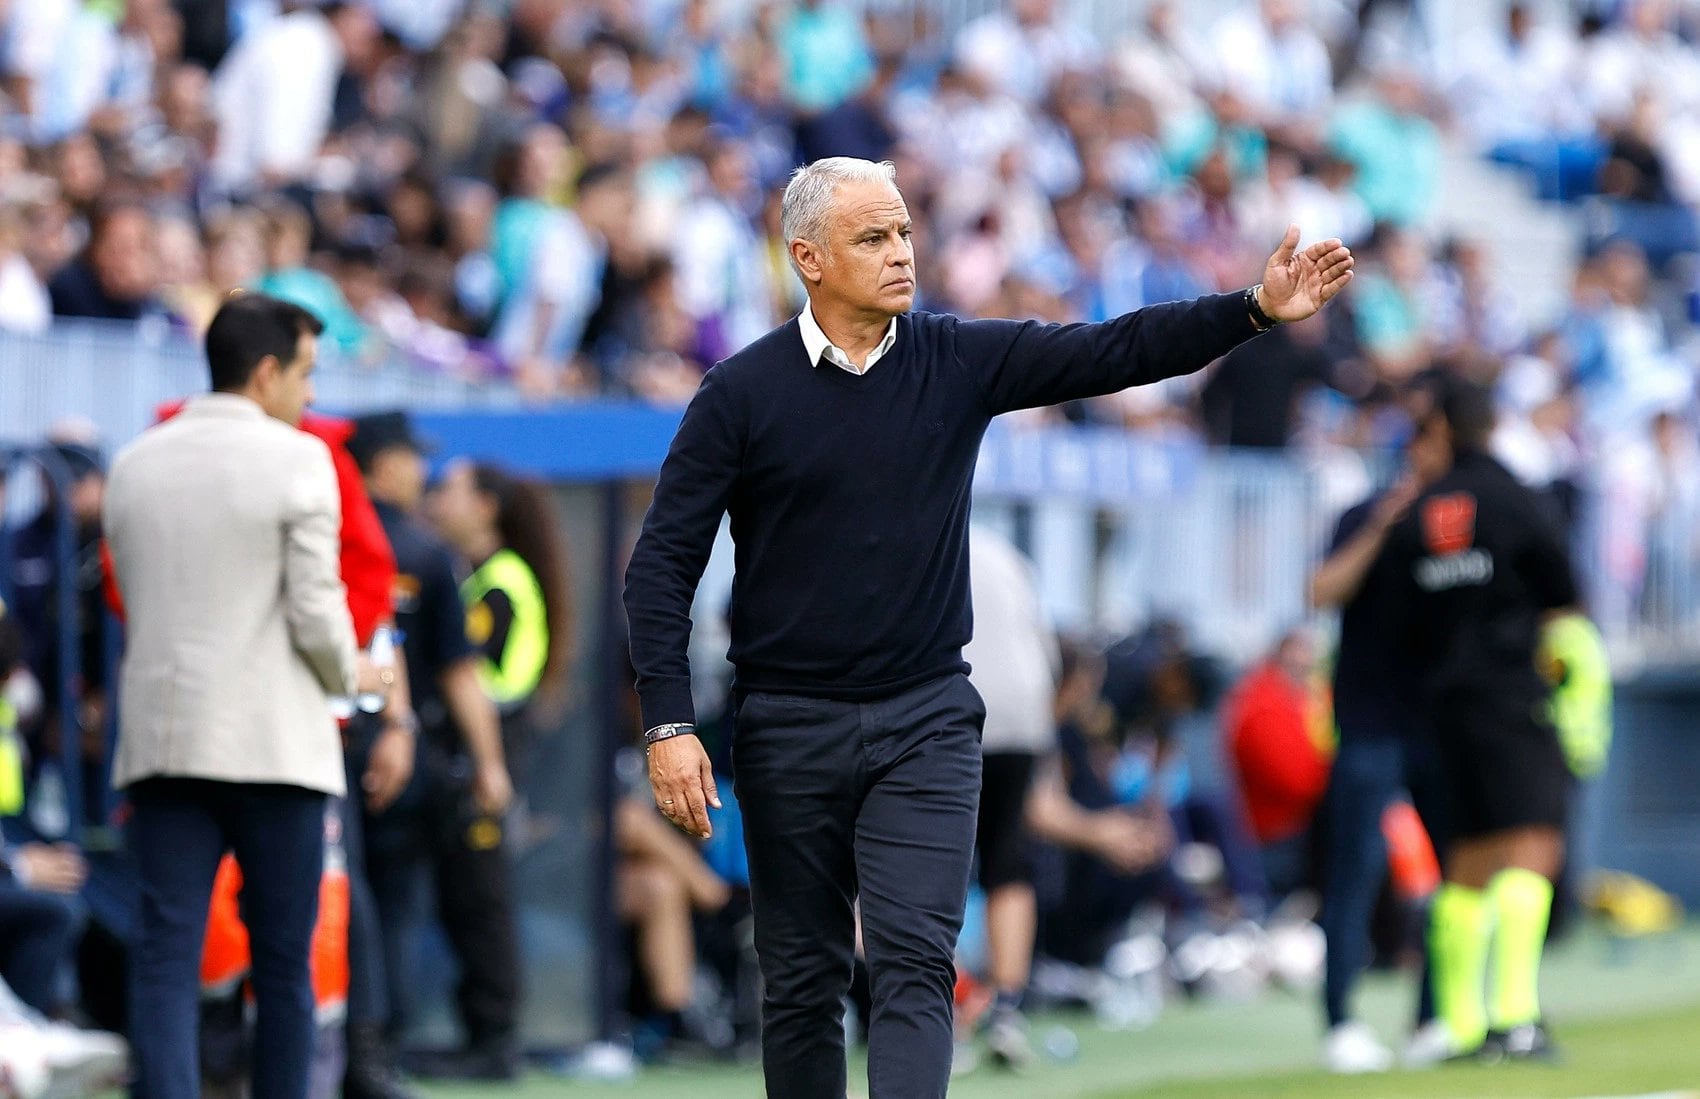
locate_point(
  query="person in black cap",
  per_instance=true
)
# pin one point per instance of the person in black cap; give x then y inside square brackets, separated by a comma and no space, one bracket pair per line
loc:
[462,777]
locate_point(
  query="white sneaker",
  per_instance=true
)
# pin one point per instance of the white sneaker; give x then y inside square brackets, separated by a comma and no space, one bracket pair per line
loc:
[1352,1048]
[83,1061]
[24,1073]
[1430,1044]
[1008,1040]
[965,1058]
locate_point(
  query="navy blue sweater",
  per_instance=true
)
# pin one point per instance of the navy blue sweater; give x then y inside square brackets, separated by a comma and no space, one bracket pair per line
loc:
[849,493]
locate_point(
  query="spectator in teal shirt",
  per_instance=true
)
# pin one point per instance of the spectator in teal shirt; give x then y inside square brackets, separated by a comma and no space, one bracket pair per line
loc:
[1228,125]
[289,235]
[827,59]
[527,174]
[1395,148]
[1389,303]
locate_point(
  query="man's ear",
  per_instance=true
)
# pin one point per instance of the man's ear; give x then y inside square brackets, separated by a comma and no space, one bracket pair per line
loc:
[266,372]
[808,258]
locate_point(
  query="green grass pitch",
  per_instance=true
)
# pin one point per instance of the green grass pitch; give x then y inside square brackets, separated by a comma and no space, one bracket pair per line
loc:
[1627,1014]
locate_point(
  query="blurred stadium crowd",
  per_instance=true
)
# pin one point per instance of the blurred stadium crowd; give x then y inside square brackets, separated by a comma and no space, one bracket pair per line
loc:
[583,196]
[581,199]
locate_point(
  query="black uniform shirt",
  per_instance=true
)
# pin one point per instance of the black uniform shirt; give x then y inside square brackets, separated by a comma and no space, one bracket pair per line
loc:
[428,611]
[1483,559]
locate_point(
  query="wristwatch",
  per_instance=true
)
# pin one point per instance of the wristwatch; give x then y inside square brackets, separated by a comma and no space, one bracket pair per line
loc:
[1260,320]
[667,732]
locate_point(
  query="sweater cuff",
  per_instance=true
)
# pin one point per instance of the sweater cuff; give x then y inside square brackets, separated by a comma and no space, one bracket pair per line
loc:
[1231,313]
[667,701]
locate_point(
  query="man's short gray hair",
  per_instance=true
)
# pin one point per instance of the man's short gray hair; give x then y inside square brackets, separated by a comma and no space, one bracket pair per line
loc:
[808,197]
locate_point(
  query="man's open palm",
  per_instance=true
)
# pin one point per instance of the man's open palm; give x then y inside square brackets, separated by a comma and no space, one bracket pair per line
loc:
[1297,284]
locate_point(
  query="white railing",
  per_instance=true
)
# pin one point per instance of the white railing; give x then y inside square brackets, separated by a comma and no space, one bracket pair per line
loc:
[116,375]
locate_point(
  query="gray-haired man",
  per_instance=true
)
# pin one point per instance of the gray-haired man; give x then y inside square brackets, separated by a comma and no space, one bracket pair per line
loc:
[842,443]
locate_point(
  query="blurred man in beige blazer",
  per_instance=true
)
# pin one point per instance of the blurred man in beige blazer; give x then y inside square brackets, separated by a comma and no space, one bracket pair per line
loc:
[223,527]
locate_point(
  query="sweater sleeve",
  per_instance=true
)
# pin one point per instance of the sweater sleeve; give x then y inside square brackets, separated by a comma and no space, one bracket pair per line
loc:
[678,534]
[1026,364]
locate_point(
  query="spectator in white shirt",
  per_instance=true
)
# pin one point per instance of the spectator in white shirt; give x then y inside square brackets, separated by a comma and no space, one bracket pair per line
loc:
[1533,436]
[1020,51]
[24,304]
[543,320]
[421,24]
[1287,196]
[1273,59]
[30,38]
[1522,86]
[1164,63]
[71,66]
[1643,52]
[722,270]
[274,93]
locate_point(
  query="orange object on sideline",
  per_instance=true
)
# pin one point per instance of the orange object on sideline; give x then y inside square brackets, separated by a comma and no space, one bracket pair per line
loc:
[1411,861]
[226,954]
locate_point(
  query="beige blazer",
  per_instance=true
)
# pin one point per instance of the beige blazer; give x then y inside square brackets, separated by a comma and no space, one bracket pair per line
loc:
[224,527]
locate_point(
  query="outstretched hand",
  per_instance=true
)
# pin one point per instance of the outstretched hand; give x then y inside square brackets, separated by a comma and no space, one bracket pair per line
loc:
[1297,284]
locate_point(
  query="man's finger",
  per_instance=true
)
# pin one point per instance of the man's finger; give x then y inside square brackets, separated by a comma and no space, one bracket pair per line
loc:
[1333,274]
[1334,261]
[1288,243]
[708,786]
[1330,289]
[670,799]
[1322,250]
[698,806]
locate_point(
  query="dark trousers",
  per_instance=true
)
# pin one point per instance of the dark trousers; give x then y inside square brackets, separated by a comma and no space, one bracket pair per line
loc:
[1369,771]
[434,832]
[475,901]
[36,935]
[368,992]
[180,830]
[1210,816]
[395,869]
[870,800]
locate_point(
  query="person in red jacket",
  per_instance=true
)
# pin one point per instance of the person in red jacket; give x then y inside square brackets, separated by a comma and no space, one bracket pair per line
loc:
[1277,727]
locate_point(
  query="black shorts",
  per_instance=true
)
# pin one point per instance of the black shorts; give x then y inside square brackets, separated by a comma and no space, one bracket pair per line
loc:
[1006,856]
[1501,757]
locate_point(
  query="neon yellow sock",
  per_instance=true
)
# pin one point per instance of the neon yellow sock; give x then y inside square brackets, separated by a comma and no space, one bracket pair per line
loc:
[1521,901]
[1458,949]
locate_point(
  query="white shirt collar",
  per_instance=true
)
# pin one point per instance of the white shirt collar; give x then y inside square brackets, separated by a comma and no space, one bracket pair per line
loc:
[819,347]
